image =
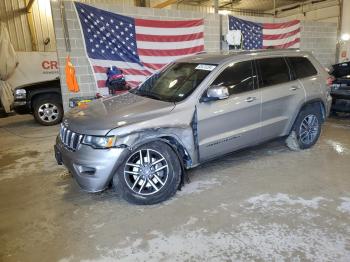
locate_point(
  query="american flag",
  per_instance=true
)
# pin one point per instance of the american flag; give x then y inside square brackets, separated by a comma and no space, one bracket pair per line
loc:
[267,35]
[139,47]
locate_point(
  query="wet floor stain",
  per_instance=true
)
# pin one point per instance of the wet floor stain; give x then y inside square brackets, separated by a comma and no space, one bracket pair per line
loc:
[7,159]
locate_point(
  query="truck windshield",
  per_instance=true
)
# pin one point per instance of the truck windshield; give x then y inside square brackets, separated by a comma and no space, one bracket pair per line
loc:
[175,82]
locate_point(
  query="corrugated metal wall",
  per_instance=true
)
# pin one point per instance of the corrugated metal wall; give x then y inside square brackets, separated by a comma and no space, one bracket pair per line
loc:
[43,25]
[13,15]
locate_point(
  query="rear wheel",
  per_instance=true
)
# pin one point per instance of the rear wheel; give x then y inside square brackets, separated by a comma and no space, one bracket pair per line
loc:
[306,129]
[48,111]
[151,174]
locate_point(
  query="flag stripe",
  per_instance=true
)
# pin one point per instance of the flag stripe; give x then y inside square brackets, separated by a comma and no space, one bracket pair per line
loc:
[154,66]
[120,64]
[168,31]
[280,36]
[170,52]
[168,38]
[160,59]
[282,41]
[280,25]
[169,45]
[294,43]
[281,30]
[168,24]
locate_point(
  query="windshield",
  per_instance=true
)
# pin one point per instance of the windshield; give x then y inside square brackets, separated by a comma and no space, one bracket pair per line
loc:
[175,82]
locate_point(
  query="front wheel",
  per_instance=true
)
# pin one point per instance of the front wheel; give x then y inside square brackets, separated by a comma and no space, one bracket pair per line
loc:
[151,174]
[307,128]
[48,111]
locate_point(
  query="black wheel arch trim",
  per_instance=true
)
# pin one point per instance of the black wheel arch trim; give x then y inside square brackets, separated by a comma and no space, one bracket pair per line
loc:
[40,93]
[310,103]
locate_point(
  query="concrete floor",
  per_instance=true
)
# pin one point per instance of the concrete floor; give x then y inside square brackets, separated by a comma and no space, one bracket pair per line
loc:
[265,203]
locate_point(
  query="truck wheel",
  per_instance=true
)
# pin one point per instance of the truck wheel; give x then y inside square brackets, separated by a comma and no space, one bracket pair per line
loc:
[306,129]
[151,174]
[48,111]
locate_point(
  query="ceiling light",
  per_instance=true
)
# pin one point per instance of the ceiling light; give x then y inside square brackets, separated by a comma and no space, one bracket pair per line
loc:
[345,37]
[224,12]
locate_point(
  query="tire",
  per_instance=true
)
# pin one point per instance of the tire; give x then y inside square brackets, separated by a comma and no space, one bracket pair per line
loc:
[306,129]
[48,111]
[129,179]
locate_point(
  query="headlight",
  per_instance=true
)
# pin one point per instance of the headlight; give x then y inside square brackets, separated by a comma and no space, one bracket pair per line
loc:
[20,94]
[99,141]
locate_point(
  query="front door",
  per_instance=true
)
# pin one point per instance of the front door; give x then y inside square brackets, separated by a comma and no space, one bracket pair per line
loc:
[233,123]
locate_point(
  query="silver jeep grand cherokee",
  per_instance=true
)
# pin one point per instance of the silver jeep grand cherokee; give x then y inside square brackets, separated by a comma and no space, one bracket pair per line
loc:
[194,110]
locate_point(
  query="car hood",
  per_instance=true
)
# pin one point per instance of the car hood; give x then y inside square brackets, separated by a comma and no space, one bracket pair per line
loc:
[102,115]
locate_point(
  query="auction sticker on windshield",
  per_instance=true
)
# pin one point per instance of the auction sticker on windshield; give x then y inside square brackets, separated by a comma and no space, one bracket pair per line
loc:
[205,67]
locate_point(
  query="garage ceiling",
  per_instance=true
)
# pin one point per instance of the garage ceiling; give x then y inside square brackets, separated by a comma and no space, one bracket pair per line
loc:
[258,5]
[262,5]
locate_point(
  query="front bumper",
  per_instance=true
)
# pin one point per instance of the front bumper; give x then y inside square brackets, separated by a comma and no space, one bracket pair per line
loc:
[93,169]
[21,107]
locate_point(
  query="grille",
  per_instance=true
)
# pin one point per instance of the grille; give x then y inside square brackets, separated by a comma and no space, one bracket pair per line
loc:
[69,138]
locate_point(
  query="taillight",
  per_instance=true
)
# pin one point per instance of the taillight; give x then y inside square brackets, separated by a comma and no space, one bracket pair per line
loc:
[330,81]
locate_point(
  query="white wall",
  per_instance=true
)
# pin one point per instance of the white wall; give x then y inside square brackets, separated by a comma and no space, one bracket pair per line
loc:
[344,51]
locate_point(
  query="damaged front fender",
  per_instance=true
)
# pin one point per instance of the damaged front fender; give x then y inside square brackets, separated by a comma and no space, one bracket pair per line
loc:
[181,135]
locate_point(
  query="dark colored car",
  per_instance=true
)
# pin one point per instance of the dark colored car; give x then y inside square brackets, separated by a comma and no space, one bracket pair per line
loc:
[42,99]
[341,87]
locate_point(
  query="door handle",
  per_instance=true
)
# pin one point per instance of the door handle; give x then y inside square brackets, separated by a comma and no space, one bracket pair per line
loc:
[250,99]
[293,88]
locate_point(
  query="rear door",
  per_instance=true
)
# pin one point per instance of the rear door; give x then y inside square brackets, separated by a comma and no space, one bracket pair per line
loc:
[227,125]
[308,76]
[281,95]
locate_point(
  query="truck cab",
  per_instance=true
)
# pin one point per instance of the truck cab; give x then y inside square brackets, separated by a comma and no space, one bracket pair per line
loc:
[42,99]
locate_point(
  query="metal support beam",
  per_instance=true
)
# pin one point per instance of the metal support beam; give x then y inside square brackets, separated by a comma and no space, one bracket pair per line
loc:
[29,5]
[65,26]
[216,6]
[30,19]
[142,3]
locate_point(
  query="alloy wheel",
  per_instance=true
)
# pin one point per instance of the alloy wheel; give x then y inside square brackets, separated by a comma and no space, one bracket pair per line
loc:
[48,112]
[308,129]
[146,172]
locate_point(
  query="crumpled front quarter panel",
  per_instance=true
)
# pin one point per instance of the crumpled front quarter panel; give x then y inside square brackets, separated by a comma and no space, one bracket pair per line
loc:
[177,124]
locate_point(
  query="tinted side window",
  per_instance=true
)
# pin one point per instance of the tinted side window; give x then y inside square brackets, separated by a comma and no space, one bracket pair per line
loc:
[237,78]
[273,71]
[302,67]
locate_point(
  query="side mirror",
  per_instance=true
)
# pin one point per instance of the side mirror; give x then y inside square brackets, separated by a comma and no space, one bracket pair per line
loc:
[216,93]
